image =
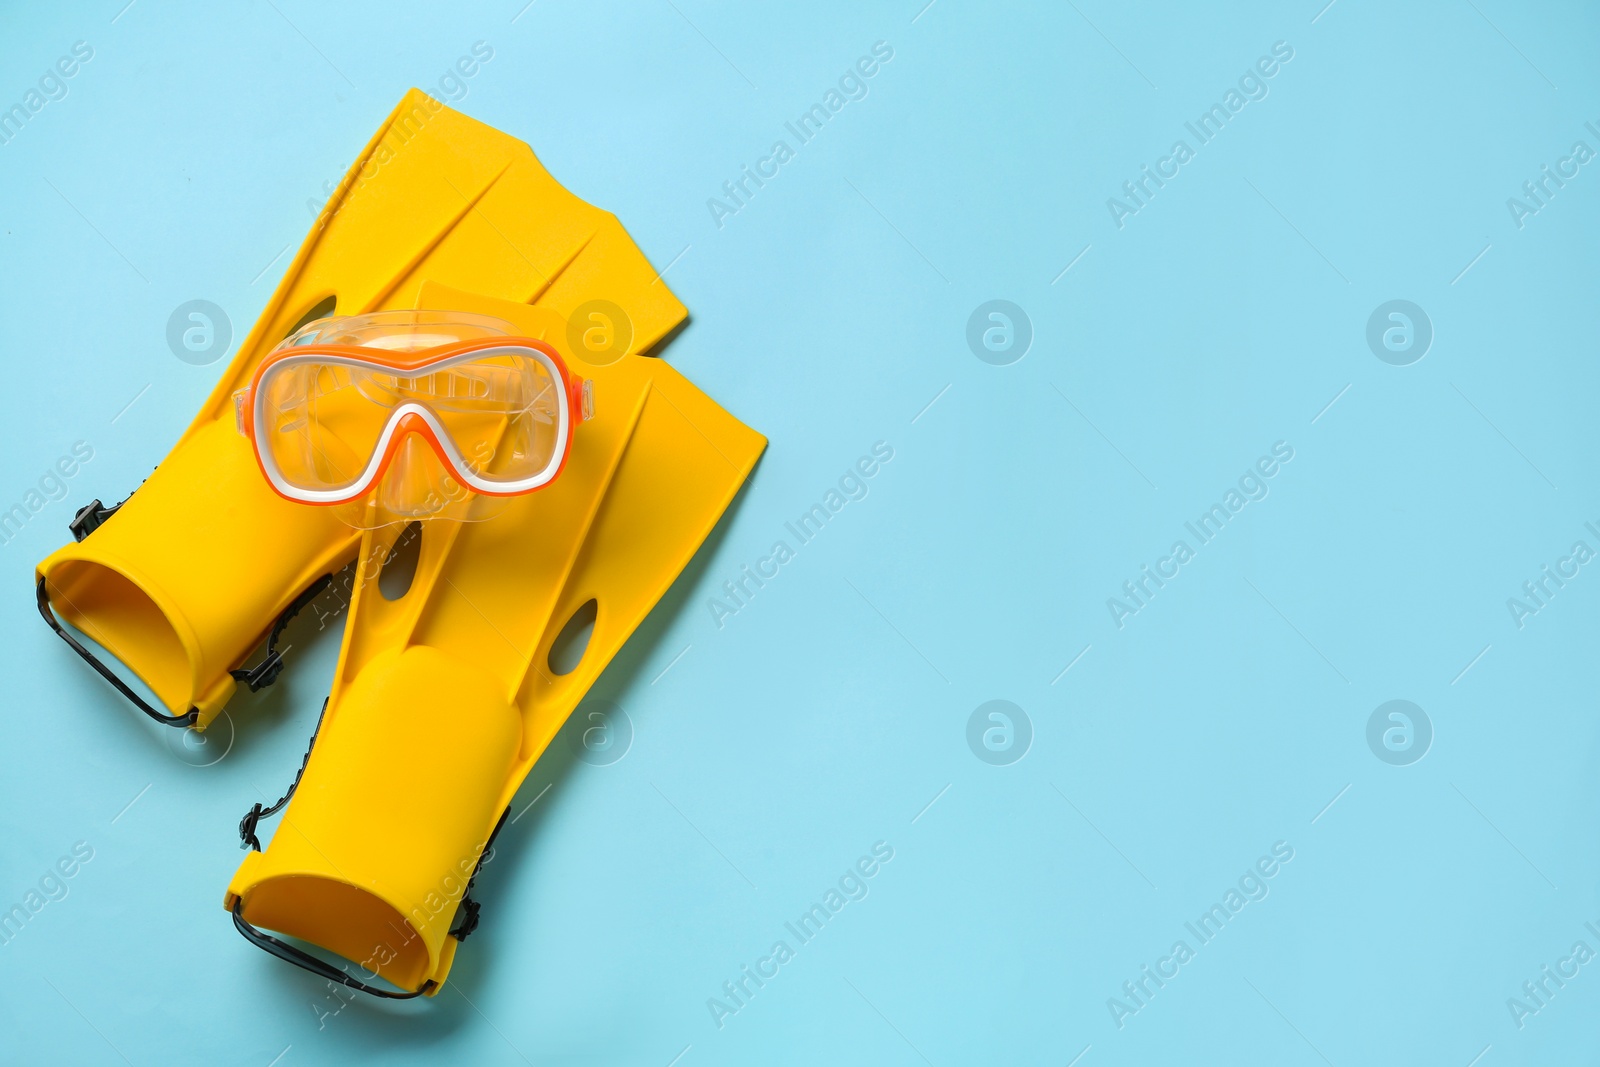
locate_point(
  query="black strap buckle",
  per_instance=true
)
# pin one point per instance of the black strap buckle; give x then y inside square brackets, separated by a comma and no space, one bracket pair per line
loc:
[262,674]
[90,518]
[466,919]
[248,840]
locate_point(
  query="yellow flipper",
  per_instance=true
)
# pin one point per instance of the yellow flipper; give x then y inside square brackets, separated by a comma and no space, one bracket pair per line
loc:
[187,577]
[445,697]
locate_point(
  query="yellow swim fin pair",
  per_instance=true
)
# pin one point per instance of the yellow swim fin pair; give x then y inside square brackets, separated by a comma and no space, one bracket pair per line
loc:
[445,695]
[185,578]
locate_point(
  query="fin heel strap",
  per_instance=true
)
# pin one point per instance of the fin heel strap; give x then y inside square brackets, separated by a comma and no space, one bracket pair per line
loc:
[247,826]
[266,672]
[290,954]
[466,919]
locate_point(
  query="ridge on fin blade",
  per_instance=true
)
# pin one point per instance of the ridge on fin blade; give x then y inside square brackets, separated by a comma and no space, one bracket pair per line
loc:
[444,698]
[189,574]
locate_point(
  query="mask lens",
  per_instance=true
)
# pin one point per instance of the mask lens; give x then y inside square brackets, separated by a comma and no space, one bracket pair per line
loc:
[503,412]
[318,425]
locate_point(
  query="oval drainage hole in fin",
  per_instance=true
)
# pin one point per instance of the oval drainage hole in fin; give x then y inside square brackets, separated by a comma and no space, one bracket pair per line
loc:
[567,650]
[321,310]
[394,581]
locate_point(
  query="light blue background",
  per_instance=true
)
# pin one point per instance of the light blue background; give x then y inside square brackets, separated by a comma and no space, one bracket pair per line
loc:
[827,714]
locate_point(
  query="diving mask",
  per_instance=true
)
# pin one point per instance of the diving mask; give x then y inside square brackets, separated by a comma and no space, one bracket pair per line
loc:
[411,414]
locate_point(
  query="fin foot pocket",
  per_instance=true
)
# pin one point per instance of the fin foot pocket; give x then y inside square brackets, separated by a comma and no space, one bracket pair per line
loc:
[123,609]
